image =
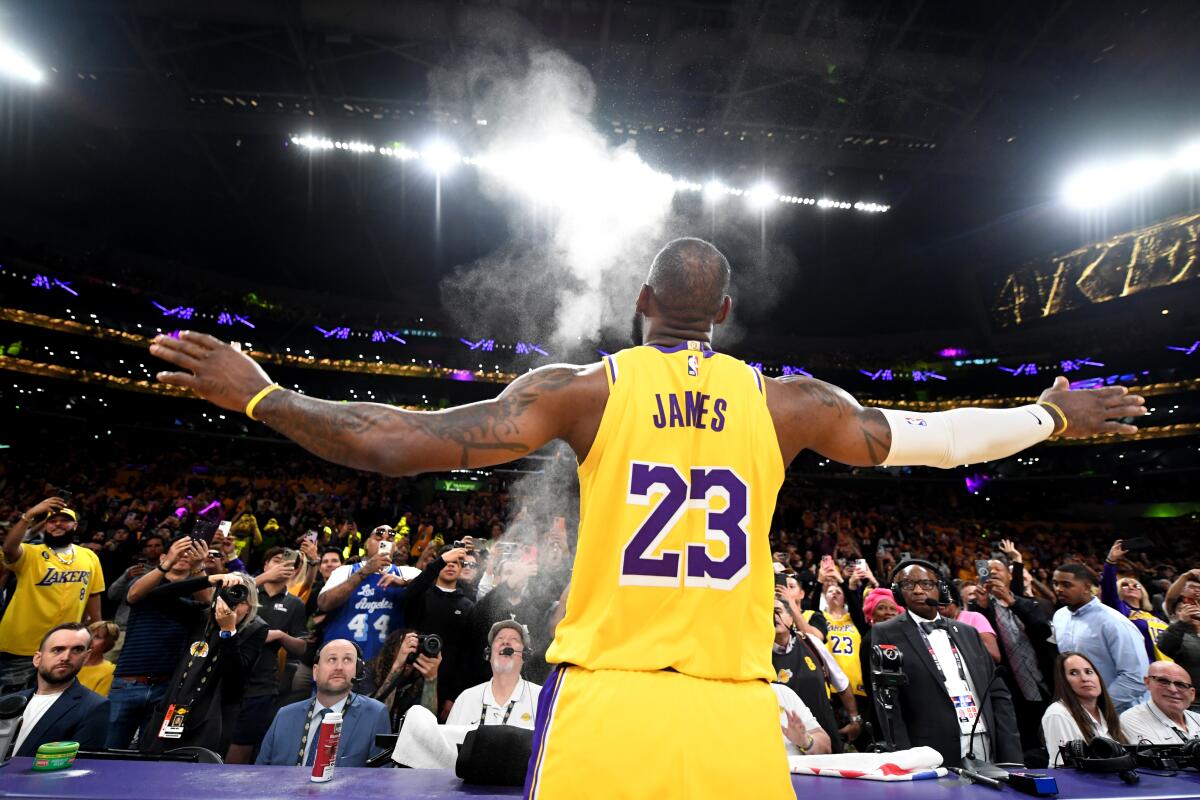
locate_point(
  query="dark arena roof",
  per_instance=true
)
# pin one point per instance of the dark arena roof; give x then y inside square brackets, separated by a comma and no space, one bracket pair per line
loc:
[928,203]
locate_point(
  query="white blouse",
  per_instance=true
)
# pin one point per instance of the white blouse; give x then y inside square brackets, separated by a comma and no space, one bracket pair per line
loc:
[1058,728]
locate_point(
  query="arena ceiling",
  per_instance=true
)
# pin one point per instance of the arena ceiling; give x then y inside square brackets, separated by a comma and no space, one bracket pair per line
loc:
[163,124]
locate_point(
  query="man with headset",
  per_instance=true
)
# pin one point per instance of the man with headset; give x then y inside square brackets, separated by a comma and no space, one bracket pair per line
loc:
[507,699]
[949,672]
[292,738]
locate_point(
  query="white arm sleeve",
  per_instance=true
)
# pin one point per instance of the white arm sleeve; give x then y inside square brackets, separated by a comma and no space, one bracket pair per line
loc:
[963,435]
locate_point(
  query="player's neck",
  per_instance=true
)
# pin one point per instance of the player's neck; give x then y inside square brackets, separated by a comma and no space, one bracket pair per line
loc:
[663,332]
[503,685]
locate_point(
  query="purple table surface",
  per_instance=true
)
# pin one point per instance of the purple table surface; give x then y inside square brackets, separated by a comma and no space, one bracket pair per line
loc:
[138,780]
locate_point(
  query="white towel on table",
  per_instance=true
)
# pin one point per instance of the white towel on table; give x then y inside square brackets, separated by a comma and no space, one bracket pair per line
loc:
[915,764]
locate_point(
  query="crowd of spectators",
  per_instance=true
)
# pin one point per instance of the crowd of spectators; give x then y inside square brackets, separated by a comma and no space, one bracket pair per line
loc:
[220,600]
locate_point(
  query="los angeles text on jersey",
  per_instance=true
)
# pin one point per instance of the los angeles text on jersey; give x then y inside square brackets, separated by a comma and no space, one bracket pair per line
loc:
[690,411]
[64,576]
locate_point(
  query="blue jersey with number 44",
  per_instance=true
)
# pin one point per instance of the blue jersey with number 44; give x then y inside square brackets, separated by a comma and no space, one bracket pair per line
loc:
[369,615]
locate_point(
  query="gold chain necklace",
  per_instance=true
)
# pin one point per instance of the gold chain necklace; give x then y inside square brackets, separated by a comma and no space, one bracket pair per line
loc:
[66,562]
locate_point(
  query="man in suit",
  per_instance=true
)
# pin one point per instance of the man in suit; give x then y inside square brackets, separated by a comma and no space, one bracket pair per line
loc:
[60,708]
[949,672]
[1023,633]
[292,737]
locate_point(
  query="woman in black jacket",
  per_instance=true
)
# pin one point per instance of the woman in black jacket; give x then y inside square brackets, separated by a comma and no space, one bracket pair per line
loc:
[208,681]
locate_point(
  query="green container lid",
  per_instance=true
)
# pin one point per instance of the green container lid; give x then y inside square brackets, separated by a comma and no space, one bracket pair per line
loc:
[55,755]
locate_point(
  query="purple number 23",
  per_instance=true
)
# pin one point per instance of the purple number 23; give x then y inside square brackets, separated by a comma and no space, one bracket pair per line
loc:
[728,525]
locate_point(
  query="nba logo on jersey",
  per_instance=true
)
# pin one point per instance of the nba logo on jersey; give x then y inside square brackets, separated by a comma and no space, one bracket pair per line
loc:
[693,365]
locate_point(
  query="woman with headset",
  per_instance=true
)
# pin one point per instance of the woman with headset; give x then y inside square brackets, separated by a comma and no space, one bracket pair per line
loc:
[1082,709]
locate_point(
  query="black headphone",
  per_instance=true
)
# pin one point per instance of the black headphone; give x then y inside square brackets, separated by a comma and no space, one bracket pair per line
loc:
[944,595]
[360,664]
[1168,756]
[1101,754]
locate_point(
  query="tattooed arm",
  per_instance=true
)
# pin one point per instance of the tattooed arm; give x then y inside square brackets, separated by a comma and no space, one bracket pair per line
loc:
[548,403]
[813,415]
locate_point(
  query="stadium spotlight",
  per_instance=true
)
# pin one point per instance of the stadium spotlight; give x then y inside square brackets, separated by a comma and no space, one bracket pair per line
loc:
[1100,185]
[714,190]
[761,195]
[15,63]
[440,157]
[1188,157]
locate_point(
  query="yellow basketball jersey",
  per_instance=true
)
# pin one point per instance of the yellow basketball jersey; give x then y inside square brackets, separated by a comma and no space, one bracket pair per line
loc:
[673,567]
[1156,627]
[844,642]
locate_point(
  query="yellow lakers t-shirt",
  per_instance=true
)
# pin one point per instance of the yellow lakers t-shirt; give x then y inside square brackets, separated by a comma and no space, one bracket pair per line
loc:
[673,567]
[51,589]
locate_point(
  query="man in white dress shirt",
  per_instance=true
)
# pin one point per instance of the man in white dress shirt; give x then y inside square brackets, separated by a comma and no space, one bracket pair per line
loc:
[507,699]
[1164,718]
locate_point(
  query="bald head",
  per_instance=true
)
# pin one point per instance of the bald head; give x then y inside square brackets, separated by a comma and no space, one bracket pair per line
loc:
[1171,689]
[690,278]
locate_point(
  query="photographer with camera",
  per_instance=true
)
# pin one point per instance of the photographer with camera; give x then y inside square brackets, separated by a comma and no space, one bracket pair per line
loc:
[226,638]
[288,631]
[56,582]
[436,604]
[405,673]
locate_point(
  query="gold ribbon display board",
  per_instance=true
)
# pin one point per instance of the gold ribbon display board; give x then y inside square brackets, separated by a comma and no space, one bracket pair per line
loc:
[1160,255]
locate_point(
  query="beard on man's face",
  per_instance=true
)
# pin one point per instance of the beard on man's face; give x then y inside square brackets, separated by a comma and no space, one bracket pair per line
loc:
[638,324]
[58,542]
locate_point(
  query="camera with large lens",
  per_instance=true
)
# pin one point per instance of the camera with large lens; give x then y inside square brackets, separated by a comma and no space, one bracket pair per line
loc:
[232,595]
[428,644]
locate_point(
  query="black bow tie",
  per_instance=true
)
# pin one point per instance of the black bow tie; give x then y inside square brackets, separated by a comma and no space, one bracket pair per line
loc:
[934,625]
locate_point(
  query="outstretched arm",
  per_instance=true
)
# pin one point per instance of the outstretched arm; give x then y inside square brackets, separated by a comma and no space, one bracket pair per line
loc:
[811,414]
[547,403]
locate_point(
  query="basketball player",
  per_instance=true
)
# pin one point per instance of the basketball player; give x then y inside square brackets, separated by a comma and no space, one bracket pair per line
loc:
[664,653]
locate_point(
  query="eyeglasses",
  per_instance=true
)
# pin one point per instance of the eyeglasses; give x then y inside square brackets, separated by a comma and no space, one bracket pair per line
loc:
[928,586]
[1165,682]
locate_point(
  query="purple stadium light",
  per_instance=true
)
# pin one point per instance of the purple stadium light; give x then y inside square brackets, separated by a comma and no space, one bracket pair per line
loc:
[952,352]
[975,482]
[209,507]
[486,345]
[226,318]
[878,375]
[1187,351]
[179,312]
[384,336]
[756,364]
[48,283]
[1071,365]
[528,348]
[462,375]
[919,375]
[1024,369]
[333,333]
[790,370]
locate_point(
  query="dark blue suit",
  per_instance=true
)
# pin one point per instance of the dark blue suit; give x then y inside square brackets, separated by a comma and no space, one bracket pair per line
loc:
[360,722]
[78,715]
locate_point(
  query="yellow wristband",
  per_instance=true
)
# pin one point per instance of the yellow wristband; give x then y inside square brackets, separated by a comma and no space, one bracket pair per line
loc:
[254,401]
[1060,414]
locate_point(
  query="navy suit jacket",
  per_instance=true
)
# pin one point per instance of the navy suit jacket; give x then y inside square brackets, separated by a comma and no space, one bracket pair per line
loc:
[78,715]
[365,718]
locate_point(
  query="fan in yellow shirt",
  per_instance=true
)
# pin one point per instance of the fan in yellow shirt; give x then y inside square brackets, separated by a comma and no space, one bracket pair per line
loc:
[97,673]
